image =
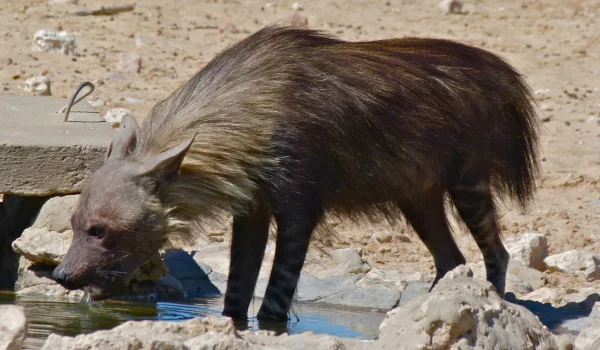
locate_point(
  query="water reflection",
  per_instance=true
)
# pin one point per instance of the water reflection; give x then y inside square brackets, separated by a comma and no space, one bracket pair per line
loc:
[47,315]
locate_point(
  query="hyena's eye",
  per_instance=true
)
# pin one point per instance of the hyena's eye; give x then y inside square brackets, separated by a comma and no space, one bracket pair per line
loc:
[96,231]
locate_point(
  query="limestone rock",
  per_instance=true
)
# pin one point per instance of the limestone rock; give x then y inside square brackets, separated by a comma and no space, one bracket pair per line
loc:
[463,313]
[36,279]
[347,262]
[115,116]
[589,338]
[576,261]
[47,40]
[543,295]
[13,327]
[144,334]
[39,85]
[42,246]
[530,249]
[413,290]
[374,297]
[55,214]
[212,340]
[395,280]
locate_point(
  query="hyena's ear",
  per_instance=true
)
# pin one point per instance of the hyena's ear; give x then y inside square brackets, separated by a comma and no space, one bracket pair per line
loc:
[165,166]
[126,139]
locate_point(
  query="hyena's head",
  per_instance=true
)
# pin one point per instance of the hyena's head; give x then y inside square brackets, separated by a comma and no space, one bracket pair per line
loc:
[118,222]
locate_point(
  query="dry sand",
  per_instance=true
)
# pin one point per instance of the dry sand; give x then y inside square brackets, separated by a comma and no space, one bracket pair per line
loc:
[555,44]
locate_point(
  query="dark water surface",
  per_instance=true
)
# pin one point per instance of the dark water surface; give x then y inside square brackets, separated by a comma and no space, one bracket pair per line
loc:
[47,315]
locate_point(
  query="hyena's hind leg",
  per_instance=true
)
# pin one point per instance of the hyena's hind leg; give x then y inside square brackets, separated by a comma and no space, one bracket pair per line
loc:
[472,196]
[426,214]
[249,239]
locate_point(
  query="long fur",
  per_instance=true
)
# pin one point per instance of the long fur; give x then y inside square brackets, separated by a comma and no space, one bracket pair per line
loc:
[364,124]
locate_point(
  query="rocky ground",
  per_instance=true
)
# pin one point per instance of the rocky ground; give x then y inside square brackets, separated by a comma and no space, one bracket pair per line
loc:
[135,58]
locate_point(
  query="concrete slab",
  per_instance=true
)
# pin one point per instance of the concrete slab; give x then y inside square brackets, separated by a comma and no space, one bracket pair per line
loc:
[41,155]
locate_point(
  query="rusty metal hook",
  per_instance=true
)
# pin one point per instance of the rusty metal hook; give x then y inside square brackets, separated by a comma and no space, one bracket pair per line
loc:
[67,108]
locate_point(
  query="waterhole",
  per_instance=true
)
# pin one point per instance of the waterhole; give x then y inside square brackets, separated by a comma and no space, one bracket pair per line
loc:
[47,315]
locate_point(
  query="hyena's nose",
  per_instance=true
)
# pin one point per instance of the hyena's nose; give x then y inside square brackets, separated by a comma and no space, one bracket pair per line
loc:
[60,275]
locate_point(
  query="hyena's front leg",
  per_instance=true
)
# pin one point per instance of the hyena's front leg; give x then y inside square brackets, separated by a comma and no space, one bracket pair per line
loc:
[294,228]
[250,233]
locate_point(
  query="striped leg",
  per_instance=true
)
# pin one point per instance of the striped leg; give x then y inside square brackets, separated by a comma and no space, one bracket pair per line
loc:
[473,198]
[250,233]
[427,216]
[294,229]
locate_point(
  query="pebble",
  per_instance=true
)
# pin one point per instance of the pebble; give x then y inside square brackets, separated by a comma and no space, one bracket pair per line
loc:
[115,115]
[451,6]
[297,6]
[129,62]
[594,119]
[39,85]
[133,100]
[47,40]
[298,20]
[62,2]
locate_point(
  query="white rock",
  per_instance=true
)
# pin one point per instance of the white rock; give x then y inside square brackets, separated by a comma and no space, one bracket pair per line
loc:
[129,62]
[543,295]
[462,313]
[55,214]
[297,6]
[47,40]
[530,249]
[13,327]
[579,262]
[42,246]
[115,116]
[384,236]
[594,119]
[39,85]
[451,6]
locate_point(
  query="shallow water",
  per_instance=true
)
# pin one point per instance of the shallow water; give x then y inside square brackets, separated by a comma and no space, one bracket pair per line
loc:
[47,315]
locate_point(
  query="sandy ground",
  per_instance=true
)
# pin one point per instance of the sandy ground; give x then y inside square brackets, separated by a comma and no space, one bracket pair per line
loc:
[555,44]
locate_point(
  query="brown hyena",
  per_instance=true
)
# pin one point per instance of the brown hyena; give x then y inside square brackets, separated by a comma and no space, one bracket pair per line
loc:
[292,124]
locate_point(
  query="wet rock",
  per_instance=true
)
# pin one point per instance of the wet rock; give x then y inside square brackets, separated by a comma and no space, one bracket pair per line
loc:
[530,249]
[395,280]
[47,40]
[129,62]
[42,246]
[579,262]
[169,288]
[39,85]
[413,290]
[463,313]
[13,327]
[451,7]
[115,116]
[375,297]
